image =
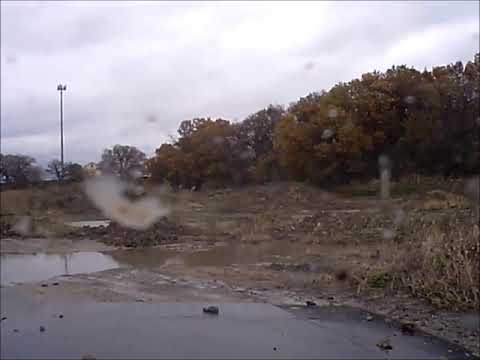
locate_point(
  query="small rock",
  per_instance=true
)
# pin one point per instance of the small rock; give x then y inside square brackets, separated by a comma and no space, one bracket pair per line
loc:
[274,348]
[385,344]
[330,298]
[44,285]
[55,284]
[42,329]
[341,275]
[369,317]
[60,316]
[211,310]
[15,330]
[311,303]
[408,329]
[3,318]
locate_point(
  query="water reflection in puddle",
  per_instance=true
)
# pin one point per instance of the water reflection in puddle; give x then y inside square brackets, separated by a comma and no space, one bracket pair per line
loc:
[217,256]
[29,268]
[17,268]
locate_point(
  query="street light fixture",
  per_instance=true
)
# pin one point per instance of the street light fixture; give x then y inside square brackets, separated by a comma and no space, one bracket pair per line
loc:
[61,88]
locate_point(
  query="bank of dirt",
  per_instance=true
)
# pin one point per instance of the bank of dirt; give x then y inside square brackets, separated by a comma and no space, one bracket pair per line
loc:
[314,244]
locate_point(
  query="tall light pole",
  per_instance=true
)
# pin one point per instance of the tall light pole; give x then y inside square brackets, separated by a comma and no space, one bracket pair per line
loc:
[61,88]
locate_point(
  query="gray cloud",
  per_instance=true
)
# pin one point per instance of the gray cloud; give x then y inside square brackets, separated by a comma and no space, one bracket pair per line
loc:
[134,70]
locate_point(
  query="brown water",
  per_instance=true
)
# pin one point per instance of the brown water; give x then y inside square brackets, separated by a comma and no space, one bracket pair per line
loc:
[217,256]
[16,268]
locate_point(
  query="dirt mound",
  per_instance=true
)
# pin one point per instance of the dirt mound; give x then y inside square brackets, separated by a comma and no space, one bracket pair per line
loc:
[6,230]
[163,231]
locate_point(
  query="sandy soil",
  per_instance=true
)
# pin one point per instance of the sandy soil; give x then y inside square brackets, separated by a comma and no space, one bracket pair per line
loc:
[282,244]
[207,274]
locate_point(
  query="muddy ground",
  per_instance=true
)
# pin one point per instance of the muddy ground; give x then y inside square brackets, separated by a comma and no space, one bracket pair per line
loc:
[280,244]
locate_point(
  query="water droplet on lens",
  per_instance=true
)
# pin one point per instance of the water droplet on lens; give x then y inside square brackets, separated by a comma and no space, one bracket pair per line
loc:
[332,113]
[410,99]
[327,134]
[388,234]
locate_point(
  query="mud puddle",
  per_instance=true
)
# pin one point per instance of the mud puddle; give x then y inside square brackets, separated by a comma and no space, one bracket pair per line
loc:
[222,255]
[20,268]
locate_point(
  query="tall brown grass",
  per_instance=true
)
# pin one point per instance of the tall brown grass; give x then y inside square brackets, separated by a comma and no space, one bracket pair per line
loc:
[444,266]
[439,262]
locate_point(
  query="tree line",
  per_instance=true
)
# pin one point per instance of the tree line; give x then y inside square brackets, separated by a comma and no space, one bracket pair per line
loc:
[423,121]
[21,170]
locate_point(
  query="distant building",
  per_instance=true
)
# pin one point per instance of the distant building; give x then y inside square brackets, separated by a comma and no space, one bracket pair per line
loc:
[92,169]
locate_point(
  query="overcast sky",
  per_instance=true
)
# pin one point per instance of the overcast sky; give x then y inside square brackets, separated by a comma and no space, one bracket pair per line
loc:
[134,70]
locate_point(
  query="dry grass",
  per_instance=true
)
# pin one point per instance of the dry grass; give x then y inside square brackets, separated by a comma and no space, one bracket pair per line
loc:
[260,228]
[15,202]
[444,267]
[440,262]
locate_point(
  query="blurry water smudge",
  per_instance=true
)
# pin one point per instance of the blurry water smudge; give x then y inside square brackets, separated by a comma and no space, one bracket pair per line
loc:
[332,113]
[399,215]
[151,118]
[327,134]
[388,234]
[135,173]
[410,99]
[218,140]
[108,195]
[385,166]
[309,66]
[11,59]
[23,226]
[472,189]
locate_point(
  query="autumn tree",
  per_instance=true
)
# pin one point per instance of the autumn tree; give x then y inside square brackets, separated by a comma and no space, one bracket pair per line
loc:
[424,121]
[122,160]
[168,165]
[206,151]
[256,131]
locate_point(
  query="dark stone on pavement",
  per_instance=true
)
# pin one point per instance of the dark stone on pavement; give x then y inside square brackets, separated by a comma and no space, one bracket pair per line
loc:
[245,330]
[341,275]
[408,329]
[385,344]
[311,303]
[211,310]
[42,329]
